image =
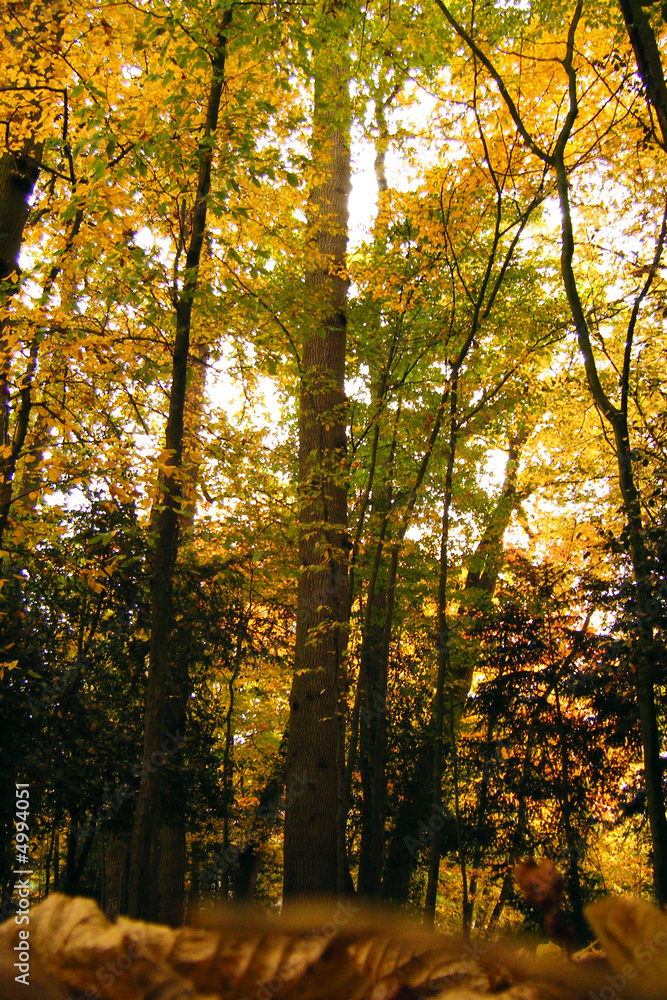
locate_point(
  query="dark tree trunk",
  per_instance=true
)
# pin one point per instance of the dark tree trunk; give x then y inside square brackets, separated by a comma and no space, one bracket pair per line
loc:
[79,844]
[441,694]
[115,871]
[18,176]
[37,39]
[648,59]
[407,837]
[313,819]
[145,834]
[49,858]
[175,798]
[56,864]
[372,711]
[171,867]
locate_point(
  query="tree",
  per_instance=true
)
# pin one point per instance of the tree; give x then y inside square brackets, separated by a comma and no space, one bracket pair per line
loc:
[143,848]
[31,40]
[553,155]
[314,838]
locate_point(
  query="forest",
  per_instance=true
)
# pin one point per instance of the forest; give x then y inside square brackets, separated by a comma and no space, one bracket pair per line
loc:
[333,447]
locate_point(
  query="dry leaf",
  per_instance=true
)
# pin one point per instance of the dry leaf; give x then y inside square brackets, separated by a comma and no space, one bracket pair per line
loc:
[634,937]
[313,953]
[38,987]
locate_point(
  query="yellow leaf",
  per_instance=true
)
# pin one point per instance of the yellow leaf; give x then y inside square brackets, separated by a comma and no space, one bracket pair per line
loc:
[10,665]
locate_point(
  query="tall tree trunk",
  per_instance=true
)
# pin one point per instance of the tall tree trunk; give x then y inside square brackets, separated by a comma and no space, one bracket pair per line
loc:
[617,418]
[443,665]
[145,833]
[174,800]
[116,865]
[175,796]
[407,836]
[313,819]
[373,699]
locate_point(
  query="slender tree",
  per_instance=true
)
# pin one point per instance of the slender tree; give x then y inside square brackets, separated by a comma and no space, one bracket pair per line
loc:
[615,414]
[31,37]
[144,843]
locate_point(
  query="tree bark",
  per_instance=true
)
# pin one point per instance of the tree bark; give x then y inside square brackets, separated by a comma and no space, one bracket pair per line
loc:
[116,865]
[443,668]
[373,701]
[18,176]
[649,64]
[144,845]
[312,819]
[175,797]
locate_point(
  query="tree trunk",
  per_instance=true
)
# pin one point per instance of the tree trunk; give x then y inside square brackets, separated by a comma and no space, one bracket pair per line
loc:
[313,819]
[18,176]
[76,862]
[486,563]
[443,663]
[144,845]
[175,798]
[407,838]
[116,858]
[648,59]
[617,418]
[174,801]
[171,869]
[372,710]
[36,39]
